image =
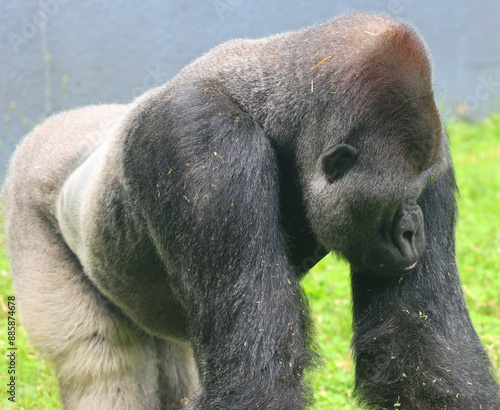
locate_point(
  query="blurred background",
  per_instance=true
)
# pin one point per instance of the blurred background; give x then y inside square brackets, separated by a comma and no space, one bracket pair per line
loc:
[59,54]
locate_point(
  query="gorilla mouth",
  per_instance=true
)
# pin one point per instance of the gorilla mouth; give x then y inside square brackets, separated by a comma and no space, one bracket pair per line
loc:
[396,248]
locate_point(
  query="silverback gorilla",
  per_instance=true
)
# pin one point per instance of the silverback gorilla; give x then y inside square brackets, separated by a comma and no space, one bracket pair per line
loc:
[157,248]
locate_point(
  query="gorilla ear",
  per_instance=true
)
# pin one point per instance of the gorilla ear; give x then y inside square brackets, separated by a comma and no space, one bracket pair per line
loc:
[337,160]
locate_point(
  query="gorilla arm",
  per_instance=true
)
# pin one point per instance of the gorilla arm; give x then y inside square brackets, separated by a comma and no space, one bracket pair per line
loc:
[414,342]
[207,183]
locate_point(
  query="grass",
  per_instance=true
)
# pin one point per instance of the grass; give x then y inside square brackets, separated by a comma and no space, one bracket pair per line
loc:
[476,154]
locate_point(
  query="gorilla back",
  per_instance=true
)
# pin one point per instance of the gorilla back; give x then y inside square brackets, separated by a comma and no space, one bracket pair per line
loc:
[157,247]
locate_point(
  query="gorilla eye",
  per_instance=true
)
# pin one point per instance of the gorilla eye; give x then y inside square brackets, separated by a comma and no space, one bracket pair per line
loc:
[337,161]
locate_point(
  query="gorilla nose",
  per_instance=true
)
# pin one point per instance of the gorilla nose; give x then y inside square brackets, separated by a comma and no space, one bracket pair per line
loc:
[408,235]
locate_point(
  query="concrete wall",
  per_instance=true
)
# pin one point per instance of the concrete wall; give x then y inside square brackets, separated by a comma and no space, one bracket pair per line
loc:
[57,54]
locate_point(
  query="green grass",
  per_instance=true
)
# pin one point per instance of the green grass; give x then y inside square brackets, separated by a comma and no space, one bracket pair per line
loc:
[476,154]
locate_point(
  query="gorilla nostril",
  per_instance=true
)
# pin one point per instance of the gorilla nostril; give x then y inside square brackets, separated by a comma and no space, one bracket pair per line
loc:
[408,236]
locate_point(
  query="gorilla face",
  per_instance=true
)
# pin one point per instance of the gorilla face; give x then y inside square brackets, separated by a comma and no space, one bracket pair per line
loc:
[364,190]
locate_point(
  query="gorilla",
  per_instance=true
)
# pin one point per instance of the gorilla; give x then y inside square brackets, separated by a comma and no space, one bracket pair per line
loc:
[157,247]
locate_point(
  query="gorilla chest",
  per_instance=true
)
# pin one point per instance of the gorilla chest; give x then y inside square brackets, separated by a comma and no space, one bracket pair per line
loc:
[144,293]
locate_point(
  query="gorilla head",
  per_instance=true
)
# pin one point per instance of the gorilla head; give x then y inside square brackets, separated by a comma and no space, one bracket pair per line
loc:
[374,154]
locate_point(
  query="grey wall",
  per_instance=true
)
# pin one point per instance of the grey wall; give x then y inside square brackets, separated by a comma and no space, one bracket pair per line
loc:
[57,54]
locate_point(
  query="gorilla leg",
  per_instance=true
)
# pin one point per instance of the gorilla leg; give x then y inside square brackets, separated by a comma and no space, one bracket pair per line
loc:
[101,359]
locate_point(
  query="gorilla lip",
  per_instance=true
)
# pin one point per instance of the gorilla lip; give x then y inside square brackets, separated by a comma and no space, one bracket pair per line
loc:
[411,267]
